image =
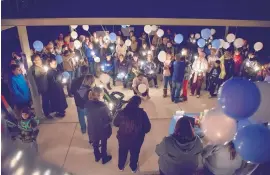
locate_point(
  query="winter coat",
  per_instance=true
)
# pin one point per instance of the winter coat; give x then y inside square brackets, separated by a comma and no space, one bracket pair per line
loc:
[138,118]
[178,71]
[40,76]
[88,53]
[98,120]
[55,91]
[80,92]
[19,89]
[167,65]
[150,68]
[177,158]
[122,67]
[229,68]
[108,66]
[188,71]
[68,62]
[214,74]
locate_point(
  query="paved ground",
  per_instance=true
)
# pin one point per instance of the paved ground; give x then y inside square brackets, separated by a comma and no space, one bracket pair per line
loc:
[61,142]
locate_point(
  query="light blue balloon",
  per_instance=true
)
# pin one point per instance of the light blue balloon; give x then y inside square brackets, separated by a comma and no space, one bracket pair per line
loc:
[252,143]
[206,33]
[178,38]
[59,59]
[243,123]
[112,37]
[124,26]
[201,42]
[65,75]
[216,43]
[38,46]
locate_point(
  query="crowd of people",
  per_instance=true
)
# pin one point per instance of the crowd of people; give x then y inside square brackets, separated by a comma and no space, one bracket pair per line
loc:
[132,65]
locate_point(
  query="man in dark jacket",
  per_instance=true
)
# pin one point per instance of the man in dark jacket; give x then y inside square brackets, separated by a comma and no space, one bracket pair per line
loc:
[122,70]
[214,78]
[151,69]
[177,77]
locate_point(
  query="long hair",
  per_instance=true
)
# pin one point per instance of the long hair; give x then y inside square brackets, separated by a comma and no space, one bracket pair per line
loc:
[232,150]
[134,102]
[183,130]
[89,80]
[95,93]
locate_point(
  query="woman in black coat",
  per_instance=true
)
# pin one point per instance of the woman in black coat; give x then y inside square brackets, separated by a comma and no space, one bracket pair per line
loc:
[98,123]
[55,90]
[133,124]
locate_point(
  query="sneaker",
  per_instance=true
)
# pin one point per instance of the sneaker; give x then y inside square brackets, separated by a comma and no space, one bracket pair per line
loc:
[133,172]
[191,95]
[198,96]
[121,170]
[49,117]
[210,96]
[156,86]
[106,159]
[97,159]
[83,131]
[148,97]
[59,115]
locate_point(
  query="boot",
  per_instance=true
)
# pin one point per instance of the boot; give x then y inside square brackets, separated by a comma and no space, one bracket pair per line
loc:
[164,93]
[109,86]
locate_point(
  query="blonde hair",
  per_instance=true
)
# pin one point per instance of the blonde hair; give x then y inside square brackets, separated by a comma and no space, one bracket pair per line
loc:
[95,93]
[89,80]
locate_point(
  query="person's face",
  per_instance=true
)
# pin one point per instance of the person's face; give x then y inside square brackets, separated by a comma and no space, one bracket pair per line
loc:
[201,54]
[37,61]
[53,64]
[90,45]
[12,62]
[209,46]
[25,116]
[149,57]
[144,46]
[169,56]
[169,44]
[250,55]
[213,52]
[95,34]
[135,58]
[140,78]
[121,58]
[108,57]
[164,41]
[131,34]
[133,38]
[17,71]
[216,65]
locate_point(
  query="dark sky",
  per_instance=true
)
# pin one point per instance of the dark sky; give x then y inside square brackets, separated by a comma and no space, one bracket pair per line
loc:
[219,9]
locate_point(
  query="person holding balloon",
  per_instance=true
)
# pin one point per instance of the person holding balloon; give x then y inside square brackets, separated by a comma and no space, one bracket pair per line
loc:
[140,86]
[150,70]
[199,68]
[108,67]
[55,90]
[122,70]
[69,67]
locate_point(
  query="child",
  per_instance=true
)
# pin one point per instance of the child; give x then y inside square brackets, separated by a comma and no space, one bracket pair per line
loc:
[214,78]
[28,126]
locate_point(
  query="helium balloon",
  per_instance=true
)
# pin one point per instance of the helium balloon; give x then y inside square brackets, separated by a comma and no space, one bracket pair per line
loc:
[213,31]
[243,123]
[252,143]
[217,127]
[112,37]
[154,28]
[38,46]
[216,43]
[142,88]
[74,26]
[197,35]
[239,98]
[105,78]
[258,46]
[262,115]
[162,56]
[59,59]
[147,29]
[97,59]
[128,42]
[230,37]
[201,42]
[226,45]
[221,43]
[178,38]
[66,75]
[85,27]
[77,44]
[206,33]
[74,34]
[238,43]
[160,32]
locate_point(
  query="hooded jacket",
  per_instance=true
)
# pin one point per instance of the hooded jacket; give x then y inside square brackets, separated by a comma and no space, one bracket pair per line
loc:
[19,89]
[177,158]
[178,71]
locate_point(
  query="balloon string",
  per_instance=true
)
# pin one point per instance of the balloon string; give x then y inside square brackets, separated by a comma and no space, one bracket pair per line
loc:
[149,40]
[235,32]
[113,28]
[157,45]
[103,29]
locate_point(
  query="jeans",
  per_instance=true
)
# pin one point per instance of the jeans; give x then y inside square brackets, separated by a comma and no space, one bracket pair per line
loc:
[134,150]
[81,116]
[103,153]
[212,86]
[146,93]
[71,74]
[152,77]
[92,68]
[197,85]
[176,89]
[167,80]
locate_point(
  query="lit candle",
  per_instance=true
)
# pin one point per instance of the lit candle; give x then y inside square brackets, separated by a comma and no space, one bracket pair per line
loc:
[46,68]
[64,80]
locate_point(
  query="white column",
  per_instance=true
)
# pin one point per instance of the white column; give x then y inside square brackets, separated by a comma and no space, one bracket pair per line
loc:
[25,44]
[226,31]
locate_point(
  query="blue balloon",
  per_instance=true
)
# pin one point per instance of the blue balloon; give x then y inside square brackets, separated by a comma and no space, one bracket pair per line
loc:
[112,37]
[65,75]
[243,123]
[201,42]
[216,43]
[253,143]
[239,98]
[59,59]
[206,33]
[178,38]
[38,46]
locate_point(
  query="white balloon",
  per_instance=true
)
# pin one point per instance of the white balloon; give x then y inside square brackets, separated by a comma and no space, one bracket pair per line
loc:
[226,45]
[230,37]
[162,56]
[217,127]
[154,28]
[262,115]
[85,27]
[160,32]
[97,59]
[147,29]
[128,42]
[222,42]
[197,35]
[74,26]
[105,78]
[142,88]
[258,46]
[74,35]
[238,43]
[213,31]
[77,44]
